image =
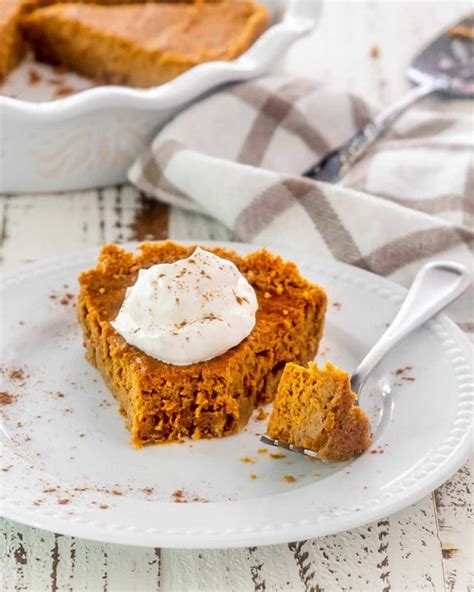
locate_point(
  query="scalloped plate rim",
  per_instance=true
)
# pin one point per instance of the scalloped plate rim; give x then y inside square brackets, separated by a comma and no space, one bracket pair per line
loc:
[271,534]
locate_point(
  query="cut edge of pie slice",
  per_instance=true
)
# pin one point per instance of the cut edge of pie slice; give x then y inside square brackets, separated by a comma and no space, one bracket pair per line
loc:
[315,409]
[142,45]
[164,403]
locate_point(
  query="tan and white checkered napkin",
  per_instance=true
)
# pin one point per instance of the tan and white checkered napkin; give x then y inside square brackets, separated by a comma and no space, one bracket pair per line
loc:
[237,156]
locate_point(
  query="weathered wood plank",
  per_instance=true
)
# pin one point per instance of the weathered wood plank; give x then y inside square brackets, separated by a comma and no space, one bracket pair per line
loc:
[455,522]
[414,553]
[37,561]
[37,226]
[206,570]
[188,226]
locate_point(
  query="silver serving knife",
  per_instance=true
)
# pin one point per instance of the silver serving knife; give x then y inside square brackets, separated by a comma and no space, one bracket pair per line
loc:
[445,66]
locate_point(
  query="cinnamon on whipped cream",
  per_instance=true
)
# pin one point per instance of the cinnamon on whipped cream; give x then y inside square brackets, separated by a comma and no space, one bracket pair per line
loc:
[189,311]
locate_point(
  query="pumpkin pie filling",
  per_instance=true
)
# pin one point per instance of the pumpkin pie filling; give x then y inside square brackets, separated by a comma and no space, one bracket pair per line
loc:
[163,402]
[315,409]
[142,45]
[12,46]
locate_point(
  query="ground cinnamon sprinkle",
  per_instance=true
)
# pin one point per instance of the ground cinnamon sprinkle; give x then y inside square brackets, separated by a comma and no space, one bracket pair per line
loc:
[6,398]
[377,451]
[277,455]
[198,499]
[67,299]
[58,394]
[103,506]
[240,299]
[50,490]
[262,414]
[337,305]
[63,502]
[17,374]
[59,80]
[178,496]
[63,91]
[247,460]
[400,371]
[33,77]
[375,52]
[289,479]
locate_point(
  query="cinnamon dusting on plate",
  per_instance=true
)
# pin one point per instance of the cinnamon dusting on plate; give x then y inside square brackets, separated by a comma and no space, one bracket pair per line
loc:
[374,52]
[6,398]
[33,77]
[18,374]
[178,496]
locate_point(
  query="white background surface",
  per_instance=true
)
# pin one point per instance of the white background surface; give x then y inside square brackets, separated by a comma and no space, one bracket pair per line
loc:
[426,547]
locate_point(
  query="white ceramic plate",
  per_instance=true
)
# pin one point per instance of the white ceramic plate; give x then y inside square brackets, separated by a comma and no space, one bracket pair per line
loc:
[68,466]
[91,138]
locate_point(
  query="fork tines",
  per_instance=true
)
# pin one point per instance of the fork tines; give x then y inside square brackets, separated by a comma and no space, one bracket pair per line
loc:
[278,444]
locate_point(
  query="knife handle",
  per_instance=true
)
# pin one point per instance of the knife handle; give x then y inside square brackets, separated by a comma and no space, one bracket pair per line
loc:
[335,165]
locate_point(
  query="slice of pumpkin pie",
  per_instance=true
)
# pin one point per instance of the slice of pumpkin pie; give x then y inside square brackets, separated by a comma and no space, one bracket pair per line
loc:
[163,396]
[315,409]
[142,44]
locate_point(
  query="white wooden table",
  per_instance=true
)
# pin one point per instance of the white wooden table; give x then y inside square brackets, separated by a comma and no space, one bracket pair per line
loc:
[426,547]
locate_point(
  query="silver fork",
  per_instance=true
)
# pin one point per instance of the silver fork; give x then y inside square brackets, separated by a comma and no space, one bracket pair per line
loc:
[445,66]
[434,287]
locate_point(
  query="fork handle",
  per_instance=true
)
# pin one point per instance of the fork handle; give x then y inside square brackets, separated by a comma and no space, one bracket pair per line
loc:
[434,287]
[336,164]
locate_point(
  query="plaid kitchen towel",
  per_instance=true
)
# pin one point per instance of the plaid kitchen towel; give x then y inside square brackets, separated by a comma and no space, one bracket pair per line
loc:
[237,156]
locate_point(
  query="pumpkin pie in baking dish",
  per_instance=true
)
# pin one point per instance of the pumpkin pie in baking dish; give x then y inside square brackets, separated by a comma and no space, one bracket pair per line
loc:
[13,46]
[142,45]
[162,401]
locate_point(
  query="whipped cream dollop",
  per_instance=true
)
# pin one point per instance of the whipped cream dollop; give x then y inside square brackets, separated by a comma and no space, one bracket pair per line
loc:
[189,311]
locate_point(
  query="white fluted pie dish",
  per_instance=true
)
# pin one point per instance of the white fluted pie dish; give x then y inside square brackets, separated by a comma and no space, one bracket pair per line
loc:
[89,139]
